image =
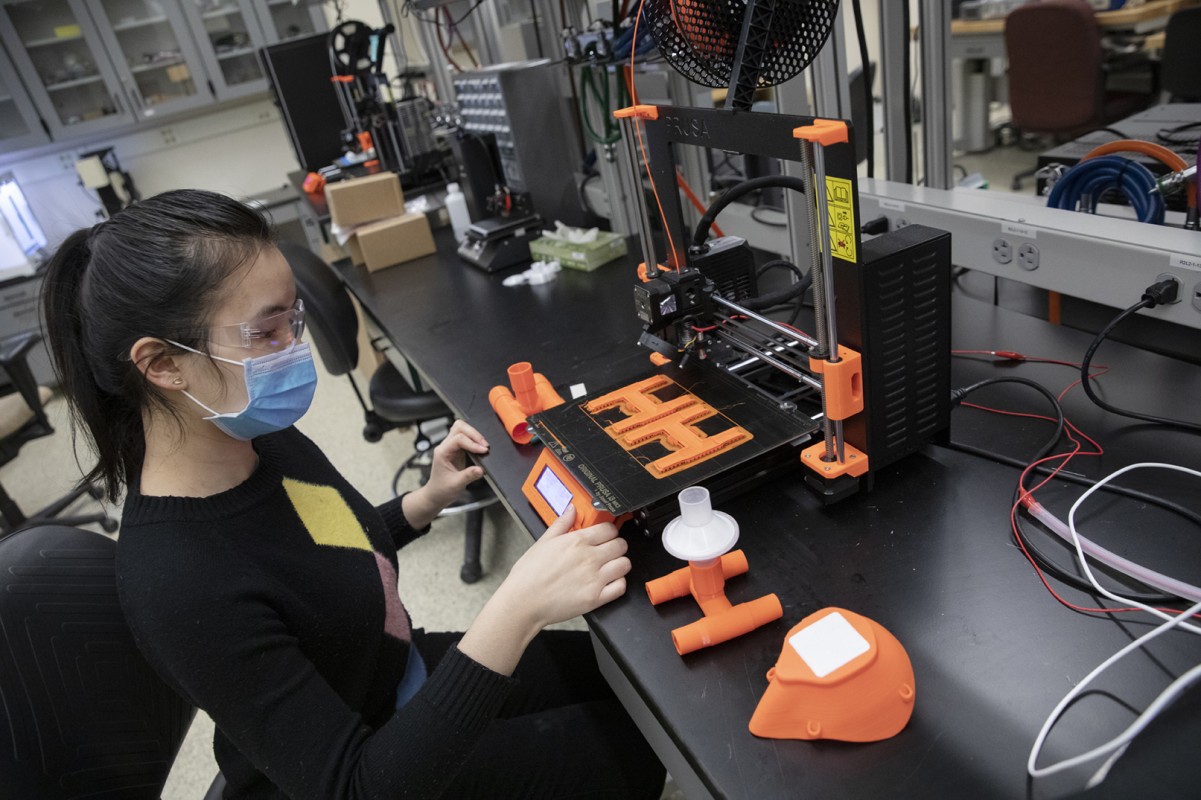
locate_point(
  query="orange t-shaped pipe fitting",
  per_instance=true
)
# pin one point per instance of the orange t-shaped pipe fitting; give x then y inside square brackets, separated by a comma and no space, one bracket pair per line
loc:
[706,582]
[727,625]
[679,583]
[531,393]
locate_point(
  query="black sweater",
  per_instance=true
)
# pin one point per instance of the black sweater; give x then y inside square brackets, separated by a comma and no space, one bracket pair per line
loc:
[273,607]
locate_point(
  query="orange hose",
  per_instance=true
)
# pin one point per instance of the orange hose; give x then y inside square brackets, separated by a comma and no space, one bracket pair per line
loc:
[1163,155]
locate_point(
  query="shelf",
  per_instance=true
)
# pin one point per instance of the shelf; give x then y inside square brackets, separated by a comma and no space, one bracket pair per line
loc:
[52,40]
[54,87]
[139,23]
[221,12]
[241,51]
[156,65]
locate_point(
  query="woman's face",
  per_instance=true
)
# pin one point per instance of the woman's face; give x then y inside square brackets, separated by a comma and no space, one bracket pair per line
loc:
[255,295]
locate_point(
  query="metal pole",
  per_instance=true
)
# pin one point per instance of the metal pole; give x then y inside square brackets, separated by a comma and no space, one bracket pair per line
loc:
[894,51]
[831,429]
[629,133]
[936,92]
[791,98]
[831,84]
[439,67]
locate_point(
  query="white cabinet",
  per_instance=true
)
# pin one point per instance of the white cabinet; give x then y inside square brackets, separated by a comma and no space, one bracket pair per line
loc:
[61,57]
[19,124]
[90,66]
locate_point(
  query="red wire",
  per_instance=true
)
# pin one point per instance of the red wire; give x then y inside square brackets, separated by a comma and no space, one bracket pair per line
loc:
[1026,496]
[445,47]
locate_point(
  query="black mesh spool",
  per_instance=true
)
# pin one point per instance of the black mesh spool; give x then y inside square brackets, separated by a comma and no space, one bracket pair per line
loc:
[700,37]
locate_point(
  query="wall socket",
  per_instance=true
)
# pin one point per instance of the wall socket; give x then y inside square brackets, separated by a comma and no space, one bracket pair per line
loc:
[1028,256]
[1197,297]
[1002,252]
[168,134]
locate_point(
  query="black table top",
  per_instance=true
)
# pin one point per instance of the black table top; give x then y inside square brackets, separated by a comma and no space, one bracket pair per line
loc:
[927,553]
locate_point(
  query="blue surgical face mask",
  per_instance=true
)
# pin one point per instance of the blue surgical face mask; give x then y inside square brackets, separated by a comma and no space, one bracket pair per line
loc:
[279,389]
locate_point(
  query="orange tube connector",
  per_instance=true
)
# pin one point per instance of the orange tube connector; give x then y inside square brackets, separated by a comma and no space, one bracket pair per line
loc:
[679,583]
[727,625]
[531,393]
[706,582]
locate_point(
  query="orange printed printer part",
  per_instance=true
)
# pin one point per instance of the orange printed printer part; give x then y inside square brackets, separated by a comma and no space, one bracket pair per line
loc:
[531,392]
[840,676]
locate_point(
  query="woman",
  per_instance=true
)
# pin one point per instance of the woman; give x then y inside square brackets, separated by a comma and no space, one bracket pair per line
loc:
[263,587]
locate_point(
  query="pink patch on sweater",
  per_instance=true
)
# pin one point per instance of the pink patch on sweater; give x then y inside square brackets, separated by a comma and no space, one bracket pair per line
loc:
[396,621]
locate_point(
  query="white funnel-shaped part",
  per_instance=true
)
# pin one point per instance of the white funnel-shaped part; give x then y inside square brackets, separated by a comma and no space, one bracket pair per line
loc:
[699,533]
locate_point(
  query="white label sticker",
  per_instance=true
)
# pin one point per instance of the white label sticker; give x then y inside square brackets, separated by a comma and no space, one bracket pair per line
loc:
[828,644]
[892,205]
[1185,262]
[1025,231]
[577,390]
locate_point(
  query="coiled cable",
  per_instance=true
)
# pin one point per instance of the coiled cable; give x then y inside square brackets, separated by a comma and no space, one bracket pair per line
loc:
[1082,186]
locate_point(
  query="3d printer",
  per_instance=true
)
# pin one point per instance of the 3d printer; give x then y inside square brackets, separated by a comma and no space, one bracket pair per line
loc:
[736,396]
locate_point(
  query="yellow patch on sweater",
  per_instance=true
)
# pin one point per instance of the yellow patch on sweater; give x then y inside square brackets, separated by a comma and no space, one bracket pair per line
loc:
[326,515]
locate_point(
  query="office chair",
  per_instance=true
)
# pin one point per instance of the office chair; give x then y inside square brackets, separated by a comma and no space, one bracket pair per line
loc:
[334,327]
[1057,72]
[23,419]
[83,714]
[1180,69]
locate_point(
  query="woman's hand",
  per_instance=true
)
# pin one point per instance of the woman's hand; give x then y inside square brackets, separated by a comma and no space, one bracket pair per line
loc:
[449,474]
[564,574]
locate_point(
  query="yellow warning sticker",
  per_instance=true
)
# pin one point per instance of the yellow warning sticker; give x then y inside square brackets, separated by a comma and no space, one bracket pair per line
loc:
[840,210]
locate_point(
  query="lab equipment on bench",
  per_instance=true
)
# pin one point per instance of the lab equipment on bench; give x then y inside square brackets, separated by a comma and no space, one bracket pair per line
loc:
[500,242]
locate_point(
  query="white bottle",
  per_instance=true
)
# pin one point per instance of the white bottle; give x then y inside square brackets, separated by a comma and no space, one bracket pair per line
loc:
[456,207]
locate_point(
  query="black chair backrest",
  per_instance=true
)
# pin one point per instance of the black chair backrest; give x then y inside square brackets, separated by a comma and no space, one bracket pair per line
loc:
[329,312]
[83,714]
[1180,70]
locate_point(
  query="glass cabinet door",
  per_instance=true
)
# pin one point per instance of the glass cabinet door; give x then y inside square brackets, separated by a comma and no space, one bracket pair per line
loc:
[19,123]
[229,37]
[287,19]
[62,59]
[153,53]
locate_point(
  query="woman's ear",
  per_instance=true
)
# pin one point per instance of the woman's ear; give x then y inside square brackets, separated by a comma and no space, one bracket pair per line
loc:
[150,357]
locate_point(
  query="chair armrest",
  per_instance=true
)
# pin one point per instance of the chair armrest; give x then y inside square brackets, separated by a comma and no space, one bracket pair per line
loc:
[14,353]
[17,346]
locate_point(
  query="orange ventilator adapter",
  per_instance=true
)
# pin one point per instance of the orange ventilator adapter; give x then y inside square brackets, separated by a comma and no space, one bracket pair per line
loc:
[840,676]
[703,537]
[531,393]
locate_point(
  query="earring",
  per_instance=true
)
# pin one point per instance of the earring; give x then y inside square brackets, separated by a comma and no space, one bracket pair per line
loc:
[177,382]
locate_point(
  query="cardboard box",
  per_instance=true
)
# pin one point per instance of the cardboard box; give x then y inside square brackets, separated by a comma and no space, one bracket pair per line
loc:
[355,251]
[361,200]
[394,241]
[588,256]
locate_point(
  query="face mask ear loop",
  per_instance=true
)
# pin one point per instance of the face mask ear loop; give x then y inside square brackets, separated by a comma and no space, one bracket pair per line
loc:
[188,395]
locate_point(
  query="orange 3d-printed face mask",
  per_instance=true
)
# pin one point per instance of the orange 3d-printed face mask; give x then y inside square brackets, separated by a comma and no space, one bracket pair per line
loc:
[840,676]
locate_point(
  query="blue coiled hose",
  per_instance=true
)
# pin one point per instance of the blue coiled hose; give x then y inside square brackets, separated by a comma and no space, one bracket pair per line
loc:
[1083,185]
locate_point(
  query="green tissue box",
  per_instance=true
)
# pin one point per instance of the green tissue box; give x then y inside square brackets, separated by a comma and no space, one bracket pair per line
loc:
[587,256]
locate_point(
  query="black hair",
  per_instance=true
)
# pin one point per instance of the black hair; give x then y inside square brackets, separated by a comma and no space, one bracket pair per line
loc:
[155,269]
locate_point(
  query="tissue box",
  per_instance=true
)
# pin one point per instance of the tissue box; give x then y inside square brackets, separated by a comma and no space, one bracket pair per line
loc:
[361,200]
[587,256]
[392,241]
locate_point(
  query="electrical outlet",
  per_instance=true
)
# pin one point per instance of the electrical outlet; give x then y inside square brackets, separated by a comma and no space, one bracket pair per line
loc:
[1167,276]
[168,134]
[1028,256]
[1197,297]
[67,161]
[899,222]
[1002,252]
